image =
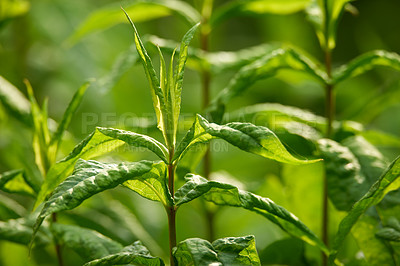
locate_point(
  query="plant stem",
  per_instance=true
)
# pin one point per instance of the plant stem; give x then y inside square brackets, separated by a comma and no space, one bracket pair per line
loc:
[171,210]
[330,114]
[57,246]
[206,81]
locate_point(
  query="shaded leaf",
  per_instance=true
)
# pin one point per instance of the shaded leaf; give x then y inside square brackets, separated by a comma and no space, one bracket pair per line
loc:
[136,254]
[224,251]
[225,194]
[346,183]
[366,62]
[387,182]
[288,251]
[248,137]
[88,179]
[376,252]
[87,243]
[20,231]
[14,182]
[101,141]
[215,62]
[256,7]
[391,232]
[14,102]
[141,10]
[265,67]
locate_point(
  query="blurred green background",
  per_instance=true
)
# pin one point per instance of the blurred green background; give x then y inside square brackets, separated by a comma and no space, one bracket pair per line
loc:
[34,46]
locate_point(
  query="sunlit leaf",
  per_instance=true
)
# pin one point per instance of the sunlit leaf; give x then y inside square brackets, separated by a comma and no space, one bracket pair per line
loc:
[366,62]
[152,185]
[87,243]
[136,254]
[157,93]
[177,82]
[225,194]
[10,9]
[387,182]
[120,66]
[257,7]
[376,252]
[265,67]
[14,102]
[101,141]
[325,16]
[216,62]
[139,11]
[224,251]
[88,179]
[248,137]
[14,182]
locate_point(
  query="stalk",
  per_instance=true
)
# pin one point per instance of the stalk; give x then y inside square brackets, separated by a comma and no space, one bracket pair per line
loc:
[205,82]
[57,246]
[171,210]
[330,114]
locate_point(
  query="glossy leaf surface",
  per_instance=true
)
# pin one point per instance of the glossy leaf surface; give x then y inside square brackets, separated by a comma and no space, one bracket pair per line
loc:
[135,254]
[225,194]
[224,251]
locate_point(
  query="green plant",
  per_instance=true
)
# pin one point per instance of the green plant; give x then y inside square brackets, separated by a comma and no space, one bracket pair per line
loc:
[357,179]
[156,180]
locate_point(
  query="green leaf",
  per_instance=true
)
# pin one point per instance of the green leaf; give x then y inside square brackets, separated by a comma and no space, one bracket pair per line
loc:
[140,11]
[157,93]
[376,252]
[324,15]
[387,182]
[177,82]
[248,137]
[153,185]
[14,181]
[389,234]
[256,7]
[366,62]
[225,194]
[101,141]
[87,243]
[88,179]
[136,254]
[20,231]
[14,102]
[41,134]
[10,208]
[346,183]
[224,251]
[288,251]
[10,9]
[67,117]
[266,67]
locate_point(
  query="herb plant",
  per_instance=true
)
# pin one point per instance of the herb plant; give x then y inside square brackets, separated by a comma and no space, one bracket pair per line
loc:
[358,180]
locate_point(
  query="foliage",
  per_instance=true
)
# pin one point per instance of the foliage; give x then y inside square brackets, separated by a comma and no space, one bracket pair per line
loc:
[300,156]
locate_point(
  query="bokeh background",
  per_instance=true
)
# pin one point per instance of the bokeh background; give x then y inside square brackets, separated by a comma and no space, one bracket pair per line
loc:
[36,45]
